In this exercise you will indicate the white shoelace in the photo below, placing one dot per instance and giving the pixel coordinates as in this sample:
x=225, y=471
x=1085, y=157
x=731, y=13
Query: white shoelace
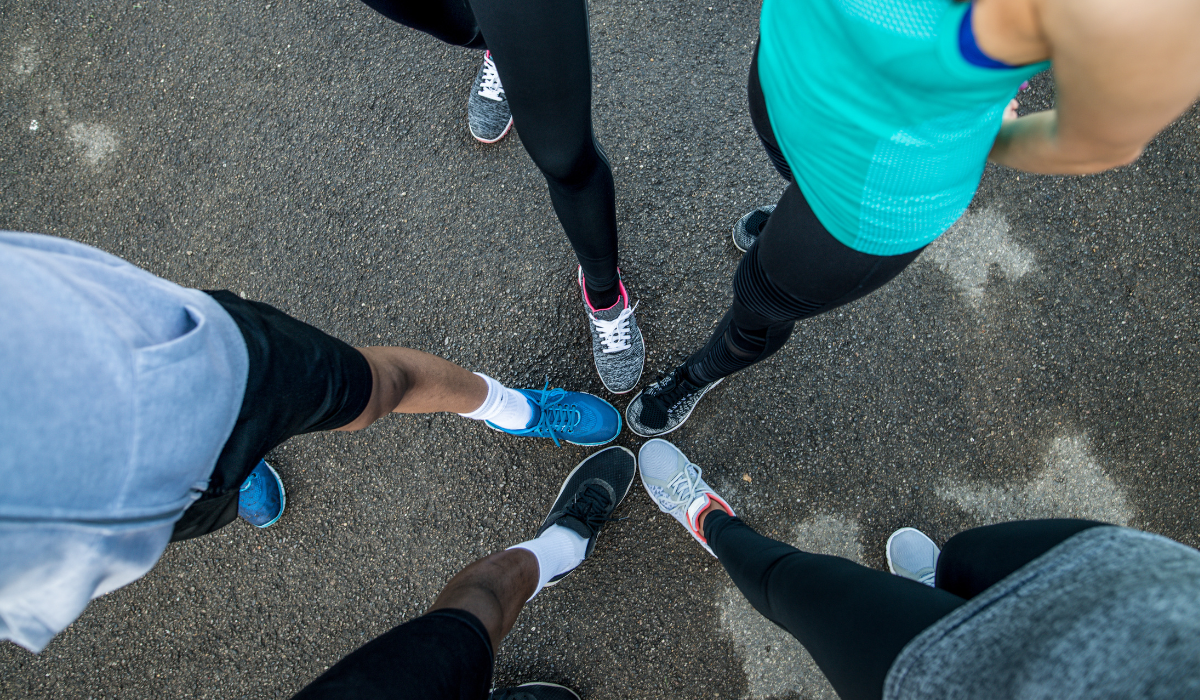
x=614, y=334
x=490, y=86
x=682, y=489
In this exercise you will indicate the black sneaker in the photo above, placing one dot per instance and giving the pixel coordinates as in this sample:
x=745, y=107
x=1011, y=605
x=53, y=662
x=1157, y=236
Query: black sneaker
x=590, y=494
x=747, y=228
x=665, y=404
x=535, y=691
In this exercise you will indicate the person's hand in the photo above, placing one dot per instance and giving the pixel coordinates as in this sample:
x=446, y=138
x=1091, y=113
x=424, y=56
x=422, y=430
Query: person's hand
x=1010, y=112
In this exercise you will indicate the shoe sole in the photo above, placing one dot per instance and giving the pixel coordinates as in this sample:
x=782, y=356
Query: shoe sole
x=685, y=417
x=733, y=237
x=888, y=547
x=282, y=497
x=568, y=480
x=488, y=423
x=579, y=281
x=502, y=133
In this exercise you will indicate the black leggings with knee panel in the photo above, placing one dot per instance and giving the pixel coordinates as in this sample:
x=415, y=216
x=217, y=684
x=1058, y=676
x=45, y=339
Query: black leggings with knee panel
x=544, y=61
x=795, y=270
x=855, y=620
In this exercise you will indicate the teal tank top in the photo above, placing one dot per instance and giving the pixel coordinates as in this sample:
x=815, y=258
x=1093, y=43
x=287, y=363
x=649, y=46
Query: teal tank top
x=885, y=125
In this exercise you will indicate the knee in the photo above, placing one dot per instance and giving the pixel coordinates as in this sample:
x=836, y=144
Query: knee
x=569, y=169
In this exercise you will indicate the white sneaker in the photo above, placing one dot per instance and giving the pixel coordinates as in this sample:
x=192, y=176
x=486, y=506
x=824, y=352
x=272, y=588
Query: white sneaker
x=674, y=484
x=913, y=555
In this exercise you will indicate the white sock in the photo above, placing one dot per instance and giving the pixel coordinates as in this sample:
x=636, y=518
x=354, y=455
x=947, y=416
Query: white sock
x=558, y=551
x=507, y=408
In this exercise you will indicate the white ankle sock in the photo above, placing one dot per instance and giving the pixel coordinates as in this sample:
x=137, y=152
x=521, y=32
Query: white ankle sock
x=558, y=551
x=507, y=408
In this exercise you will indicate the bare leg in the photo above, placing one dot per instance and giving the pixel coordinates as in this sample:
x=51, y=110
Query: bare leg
x=411, y=381
x=493, y=589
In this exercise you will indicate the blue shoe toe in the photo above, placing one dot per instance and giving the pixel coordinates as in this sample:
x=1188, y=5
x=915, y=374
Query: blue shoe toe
x=261, y=499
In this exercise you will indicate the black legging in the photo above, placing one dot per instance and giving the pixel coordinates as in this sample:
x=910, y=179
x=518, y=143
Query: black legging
x=855, y=620
x=542, y=56
x=794, y=271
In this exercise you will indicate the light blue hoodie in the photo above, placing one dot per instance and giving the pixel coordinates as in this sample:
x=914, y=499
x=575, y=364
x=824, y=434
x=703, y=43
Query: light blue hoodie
x=118, y=390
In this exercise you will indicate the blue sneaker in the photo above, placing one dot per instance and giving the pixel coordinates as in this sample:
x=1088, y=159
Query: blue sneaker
x=573, y=416
x=261, y=498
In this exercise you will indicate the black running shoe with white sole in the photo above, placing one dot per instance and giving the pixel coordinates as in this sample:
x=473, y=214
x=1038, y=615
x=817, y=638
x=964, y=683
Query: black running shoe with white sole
x=488, y=115
x=747, y=228
x=665, y=404
x=535, y=691
x=591, y=493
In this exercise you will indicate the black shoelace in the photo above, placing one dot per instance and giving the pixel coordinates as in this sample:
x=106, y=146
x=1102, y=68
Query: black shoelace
x=591, y=507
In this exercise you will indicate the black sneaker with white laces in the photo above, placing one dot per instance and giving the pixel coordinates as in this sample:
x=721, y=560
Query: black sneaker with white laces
x=535, y=691
x=591, y=493
x=665, y=404
x=747, y=228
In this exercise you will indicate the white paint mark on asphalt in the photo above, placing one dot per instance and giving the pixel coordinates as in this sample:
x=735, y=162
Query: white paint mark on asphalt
x=1073, y=485
x=976, y=244
x=97, y=141
x=773, y=661
x=27, y=59
x=33, y=125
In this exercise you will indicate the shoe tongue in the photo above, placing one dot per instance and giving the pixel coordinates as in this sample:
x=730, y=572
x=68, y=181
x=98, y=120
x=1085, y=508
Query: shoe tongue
x=611, y=313
x=575, y=525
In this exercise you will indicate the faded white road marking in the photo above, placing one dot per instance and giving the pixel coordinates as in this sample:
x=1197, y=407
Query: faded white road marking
x=97, y=141
x=773, y=661
x=974, y=246
x=27, y=59
x=1073, y=485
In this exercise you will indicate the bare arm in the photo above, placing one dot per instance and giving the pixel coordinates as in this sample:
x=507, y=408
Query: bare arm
x=1123, y=70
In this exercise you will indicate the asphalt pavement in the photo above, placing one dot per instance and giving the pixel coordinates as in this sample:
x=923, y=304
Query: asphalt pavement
x=1040, y=359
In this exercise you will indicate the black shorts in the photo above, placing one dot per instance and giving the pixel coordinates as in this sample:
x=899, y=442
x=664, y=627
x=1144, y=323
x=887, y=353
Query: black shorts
x=300, y=380
x=442, y=655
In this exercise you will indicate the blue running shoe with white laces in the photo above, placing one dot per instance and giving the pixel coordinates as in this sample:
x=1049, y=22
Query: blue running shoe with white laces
x=262, y=498
x=571, y=416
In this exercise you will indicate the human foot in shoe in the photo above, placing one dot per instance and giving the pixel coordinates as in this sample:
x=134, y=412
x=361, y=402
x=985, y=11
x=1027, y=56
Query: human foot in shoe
x=261, y=498
x=912, y=555
x=535, y=691
x=747, y=228
x=666, y=404
x=571, y=416
x=675, y=486
x=488, y=115
x=590, y=494
x=617, y=346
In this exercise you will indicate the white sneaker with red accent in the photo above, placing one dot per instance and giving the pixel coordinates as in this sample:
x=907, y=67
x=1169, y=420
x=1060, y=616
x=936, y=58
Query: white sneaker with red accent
x=617, y=346
x=674, y=484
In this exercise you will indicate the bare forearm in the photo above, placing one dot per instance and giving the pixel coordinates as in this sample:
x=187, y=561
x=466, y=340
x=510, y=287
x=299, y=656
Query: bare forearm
x=1032, y=143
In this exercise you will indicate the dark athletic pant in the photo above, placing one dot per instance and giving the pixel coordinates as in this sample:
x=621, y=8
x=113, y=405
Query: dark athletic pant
x=544, y=61
x=794, y=271
x=855, y=620
x=442, y=655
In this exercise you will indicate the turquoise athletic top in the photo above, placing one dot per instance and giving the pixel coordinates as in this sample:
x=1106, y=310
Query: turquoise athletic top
x=885, y=125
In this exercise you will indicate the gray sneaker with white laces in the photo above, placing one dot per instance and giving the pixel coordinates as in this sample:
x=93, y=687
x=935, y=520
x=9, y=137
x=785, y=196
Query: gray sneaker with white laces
x=747, y=228
x=617, y=346
x=675, y=486
x=487, y=108
x=912, y=555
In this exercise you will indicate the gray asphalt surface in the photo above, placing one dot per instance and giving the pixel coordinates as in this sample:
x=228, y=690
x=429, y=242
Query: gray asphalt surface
x=1040, y=359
